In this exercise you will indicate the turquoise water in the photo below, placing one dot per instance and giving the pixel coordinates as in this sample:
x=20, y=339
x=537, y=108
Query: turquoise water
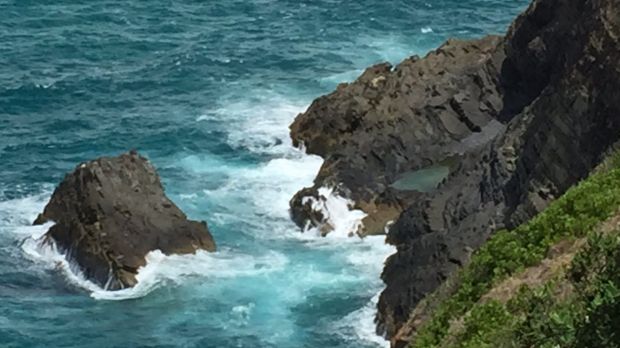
x=423, y=180
x=206, y=90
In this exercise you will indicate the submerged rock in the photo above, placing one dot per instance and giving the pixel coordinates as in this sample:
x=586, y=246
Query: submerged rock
x=111, y=212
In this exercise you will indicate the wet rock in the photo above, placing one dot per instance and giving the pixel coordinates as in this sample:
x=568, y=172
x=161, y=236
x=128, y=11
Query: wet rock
x=111, y=212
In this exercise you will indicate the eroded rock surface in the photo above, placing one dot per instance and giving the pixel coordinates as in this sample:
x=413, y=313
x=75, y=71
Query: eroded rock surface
x=563, y=67
x=111, y=212
x=522, y=118
x=393, y=120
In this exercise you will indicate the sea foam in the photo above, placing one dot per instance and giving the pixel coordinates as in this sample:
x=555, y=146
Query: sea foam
x=160, y=269
x=295, y=170
x=337, y=212
x=262, y=192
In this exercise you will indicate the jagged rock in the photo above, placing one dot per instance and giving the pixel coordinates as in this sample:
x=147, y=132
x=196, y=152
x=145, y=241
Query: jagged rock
x=394, y=120
x=561, y=92
x=111, y=212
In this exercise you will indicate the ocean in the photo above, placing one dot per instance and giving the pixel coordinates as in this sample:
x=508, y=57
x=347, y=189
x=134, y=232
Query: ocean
x=206, y=90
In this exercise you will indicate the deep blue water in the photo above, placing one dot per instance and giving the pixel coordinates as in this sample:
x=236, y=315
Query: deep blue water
x=206, y=90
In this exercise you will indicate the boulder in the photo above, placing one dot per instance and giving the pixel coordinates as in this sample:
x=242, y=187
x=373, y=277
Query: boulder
x=111, y=212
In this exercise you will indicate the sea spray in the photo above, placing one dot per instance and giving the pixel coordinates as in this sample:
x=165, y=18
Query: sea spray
x=44, y=251
x=159, y=270
x=339, y=219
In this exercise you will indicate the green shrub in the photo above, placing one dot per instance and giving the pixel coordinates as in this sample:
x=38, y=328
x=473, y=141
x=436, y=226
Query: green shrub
x=590, y=317
x=595, y=273
x=573, y=215
x=486, y=326
x=545, y=321
x=587, y=316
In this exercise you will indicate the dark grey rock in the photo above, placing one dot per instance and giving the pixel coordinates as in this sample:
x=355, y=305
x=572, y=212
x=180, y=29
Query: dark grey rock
x=111, y=212
x=560, y=86
x=394, y=120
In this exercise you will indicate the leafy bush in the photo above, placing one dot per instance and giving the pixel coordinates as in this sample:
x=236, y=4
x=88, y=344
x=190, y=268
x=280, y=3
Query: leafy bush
x=596, y=275
x=544, y=321
x=587, y=316
x=486, y=326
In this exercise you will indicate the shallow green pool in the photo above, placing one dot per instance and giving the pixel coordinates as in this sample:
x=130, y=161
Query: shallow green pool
x=422, y=180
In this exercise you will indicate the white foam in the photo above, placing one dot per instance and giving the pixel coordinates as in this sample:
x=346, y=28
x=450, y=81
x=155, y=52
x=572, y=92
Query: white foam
x=207, y=117
x=160, y=269
x=361, y=323
x=264, y=191
x=22, y=211
x=389, y=48
x=242, y=313
x=338, y=214
x=426, y=30
x=277, y=181
x=260, y=123
x=18, y=214
x=46, y=254
x=346, y=77
x=189, y=196
x=373, y=256
x=292, y=171
x=269, y=187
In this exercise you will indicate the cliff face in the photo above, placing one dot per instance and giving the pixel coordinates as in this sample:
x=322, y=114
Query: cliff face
x=562, y=70
x=521, y=118
x=395, y=120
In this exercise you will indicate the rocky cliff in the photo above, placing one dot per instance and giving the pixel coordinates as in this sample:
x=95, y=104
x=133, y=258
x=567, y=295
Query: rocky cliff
x=519, y=118
x=111, y=212
x=395, y=120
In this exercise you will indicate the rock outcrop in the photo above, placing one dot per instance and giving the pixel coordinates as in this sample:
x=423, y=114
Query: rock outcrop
x=523, y=117
x=391, y=121
x=563, y=68
x=111, y=212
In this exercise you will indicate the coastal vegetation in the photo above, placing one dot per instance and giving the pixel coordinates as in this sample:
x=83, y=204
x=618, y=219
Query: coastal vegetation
x=576, y=306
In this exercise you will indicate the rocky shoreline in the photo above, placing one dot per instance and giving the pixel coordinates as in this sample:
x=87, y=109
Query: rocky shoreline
x=445, y=99
x=520, y=119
